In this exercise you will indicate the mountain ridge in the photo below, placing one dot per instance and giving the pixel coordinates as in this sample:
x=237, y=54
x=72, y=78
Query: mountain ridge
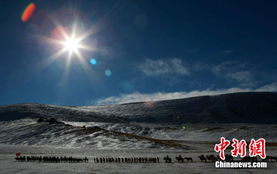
x=244, y=107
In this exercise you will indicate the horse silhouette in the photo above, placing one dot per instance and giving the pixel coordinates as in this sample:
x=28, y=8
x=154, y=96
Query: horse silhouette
x=167, y=159
x=202, y=158
x=188, y=159
x=180, y=159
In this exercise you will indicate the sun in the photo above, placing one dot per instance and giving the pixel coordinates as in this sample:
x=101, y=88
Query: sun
x=69, y=42
x=72, y=45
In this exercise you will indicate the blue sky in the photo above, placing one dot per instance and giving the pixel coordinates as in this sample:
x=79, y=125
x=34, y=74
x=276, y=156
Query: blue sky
x=142, y=50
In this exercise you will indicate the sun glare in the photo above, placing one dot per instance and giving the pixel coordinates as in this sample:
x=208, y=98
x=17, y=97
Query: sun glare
x=70, y=42
x=72, y=45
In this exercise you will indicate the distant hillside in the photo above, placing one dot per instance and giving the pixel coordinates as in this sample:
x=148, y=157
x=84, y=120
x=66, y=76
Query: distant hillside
x=249, y=107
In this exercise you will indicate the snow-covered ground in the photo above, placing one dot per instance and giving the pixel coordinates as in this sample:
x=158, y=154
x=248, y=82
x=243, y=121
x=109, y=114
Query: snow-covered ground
x=191, y=132
x=189, y=127
x=103, y=135
x=8, y=164
x=100, y=139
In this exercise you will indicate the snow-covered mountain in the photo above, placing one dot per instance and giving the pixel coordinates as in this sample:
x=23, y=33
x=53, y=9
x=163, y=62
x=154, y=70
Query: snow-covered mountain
x=100, y=135
x=250, y=107
x=59, y=134
x=178, y=123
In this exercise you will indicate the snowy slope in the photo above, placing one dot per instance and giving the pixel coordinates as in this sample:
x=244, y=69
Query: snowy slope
x=31, y=132
x=102, y=135
x=161, y=124
x=251, y=107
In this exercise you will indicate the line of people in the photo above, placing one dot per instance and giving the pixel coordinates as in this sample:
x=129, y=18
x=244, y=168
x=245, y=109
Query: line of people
x=126, y=160
x=167, y=159
x=179, y=159
x=50, y=159
x=212, y=158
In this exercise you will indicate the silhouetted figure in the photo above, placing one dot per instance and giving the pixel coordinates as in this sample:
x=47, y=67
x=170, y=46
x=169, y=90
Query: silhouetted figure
x=167, y=159
x=202, y=158
x=180, y=159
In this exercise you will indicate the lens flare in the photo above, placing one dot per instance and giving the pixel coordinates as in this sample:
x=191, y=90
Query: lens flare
x=59, y=32
x=183, y=127
x=28, y=12
x=108, y=72
x=93, y=61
